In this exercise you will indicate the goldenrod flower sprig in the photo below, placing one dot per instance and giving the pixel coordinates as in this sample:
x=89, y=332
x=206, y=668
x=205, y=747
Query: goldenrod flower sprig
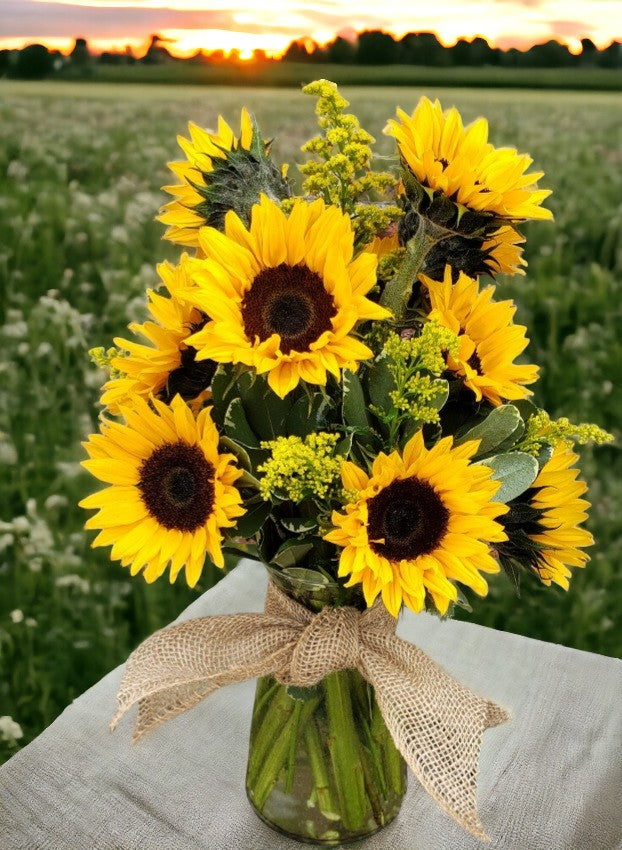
x=542, y=431
x=415, y=364
x=342, y=173
x=299, y=469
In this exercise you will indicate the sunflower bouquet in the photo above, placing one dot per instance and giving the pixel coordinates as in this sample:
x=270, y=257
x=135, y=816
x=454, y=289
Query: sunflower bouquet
x=325, y=385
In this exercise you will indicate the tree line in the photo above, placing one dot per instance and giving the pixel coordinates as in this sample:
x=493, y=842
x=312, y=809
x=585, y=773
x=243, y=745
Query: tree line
x=371, y=47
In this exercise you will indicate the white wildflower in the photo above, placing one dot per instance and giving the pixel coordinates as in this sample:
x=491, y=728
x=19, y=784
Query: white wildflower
x=10, y=730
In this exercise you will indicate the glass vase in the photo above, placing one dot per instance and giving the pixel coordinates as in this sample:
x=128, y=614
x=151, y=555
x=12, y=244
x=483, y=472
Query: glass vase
x=322, y=766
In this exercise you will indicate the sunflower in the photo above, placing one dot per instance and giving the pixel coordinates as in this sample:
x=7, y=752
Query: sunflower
x=284, y=295
x=221, y=172
x=462, y=165
x=543, y=525
x=418, y=522
x=489, y=341
x=498, y=253
x=167, y=367
x=502, y=252
x=171, y=494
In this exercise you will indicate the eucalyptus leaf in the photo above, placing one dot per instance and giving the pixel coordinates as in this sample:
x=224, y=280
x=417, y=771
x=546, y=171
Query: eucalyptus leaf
x=544, y=455
x=526, y=408
x=501, y=424
x=237, y=427
x=516, y=470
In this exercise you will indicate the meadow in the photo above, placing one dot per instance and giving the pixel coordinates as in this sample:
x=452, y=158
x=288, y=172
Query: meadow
x=80, y=171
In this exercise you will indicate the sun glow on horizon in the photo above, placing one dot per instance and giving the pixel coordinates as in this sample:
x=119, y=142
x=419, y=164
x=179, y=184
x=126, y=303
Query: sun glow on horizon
x=189, y=26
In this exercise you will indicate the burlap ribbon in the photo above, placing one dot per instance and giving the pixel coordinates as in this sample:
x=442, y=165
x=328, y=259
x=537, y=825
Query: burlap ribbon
x=436, y=723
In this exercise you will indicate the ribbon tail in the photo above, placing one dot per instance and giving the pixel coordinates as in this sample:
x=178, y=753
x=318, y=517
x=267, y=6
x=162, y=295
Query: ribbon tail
x=437, y=724
x=177, y=667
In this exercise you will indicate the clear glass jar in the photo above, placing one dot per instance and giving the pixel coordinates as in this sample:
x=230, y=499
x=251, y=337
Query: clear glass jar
x=322, y=766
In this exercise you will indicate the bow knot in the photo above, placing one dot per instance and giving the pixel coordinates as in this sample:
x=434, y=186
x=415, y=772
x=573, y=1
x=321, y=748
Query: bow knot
x=329, y=643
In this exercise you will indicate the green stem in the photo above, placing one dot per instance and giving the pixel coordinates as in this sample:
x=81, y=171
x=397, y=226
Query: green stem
x=374, y=746
x=322, y=784
x=397, y=292
x=343, y=746
x=278, y=753
x=265, y=732
x=266, y=690
x=392, y=759
x=293, y=748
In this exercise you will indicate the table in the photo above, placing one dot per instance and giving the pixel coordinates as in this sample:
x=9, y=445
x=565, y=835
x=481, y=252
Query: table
x=551, y=779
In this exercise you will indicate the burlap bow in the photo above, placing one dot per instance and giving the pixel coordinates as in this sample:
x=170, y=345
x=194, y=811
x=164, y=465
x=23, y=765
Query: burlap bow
x=436, y=723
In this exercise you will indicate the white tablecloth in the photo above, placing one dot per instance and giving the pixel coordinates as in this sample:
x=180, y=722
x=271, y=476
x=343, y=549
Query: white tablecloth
x=551, y=779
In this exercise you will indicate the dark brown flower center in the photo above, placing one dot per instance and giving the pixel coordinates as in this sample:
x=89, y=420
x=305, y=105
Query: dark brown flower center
x=177, y=486
x=475, y=363
x=190, y=378
x=409, y=516
x=290, y=301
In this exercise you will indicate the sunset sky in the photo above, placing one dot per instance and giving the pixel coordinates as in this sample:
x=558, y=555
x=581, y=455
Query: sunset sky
x=228, y=24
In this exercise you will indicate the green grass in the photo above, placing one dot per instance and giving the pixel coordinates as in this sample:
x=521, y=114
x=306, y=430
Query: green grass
x=288, y=74
x=80, y=171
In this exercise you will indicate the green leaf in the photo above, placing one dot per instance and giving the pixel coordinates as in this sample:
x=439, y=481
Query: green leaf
x=291, y=552
x=249, y=524
x=299, y=524
x=354, y=408
x=544, y=455
x=344, y=446
x=307, y=415
x=526, y=408
x=241, y=455
x=501, y=424
x=237, y=427
x=242, y=550
x=265, y=411
x=223, y=390
x=517, y=471
x=380, y=382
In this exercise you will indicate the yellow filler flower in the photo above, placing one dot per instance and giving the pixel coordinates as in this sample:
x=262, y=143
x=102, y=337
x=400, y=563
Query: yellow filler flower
x=284, y=296
x=221, y=172
x=460, y=162
x=543, y=525
x=171, y=493
x=488, y=339
x=167, y=367
x=421, y=521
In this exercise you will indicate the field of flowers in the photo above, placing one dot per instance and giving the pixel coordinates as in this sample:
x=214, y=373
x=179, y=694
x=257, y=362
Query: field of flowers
x=80, y=171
